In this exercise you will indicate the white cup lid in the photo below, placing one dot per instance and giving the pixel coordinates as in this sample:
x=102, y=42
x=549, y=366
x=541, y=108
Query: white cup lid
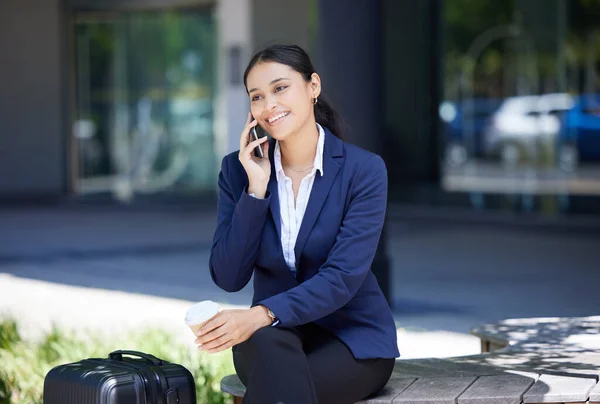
x=201, y=312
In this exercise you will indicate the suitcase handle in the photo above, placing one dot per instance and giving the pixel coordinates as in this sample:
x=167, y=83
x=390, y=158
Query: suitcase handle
x=118, y=355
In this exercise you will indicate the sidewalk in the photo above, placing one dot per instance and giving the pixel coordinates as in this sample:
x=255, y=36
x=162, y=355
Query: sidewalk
x=38, y=305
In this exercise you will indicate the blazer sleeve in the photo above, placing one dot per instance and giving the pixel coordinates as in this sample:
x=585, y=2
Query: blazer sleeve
x=348, y=262
x=237, y=236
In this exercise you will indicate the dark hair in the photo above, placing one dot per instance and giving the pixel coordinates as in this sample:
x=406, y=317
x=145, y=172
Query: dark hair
x=297, y=58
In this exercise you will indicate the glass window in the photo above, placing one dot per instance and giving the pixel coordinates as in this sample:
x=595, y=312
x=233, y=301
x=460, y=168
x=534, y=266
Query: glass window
x=521, y=98
x=144, y=87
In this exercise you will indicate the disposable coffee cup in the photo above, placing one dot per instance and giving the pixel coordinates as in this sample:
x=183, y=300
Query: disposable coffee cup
x=200, y=313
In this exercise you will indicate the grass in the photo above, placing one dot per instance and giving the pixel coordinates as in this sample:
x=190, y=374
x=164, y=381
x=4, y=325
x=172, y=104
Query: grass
x=24, y=364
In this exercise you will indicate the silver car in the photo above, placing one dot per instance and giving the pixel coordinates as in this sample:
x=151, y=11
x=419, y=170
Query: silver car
x=522, y=124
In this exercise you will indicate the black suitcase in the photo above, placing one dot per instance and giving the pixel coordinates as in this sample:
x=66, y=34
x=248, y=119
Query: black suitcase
x=120, y=380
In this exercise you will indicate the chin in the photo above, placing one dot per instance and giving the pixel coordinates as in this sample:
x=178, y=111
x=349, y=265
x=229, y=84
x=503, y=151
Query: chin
x=281, y=133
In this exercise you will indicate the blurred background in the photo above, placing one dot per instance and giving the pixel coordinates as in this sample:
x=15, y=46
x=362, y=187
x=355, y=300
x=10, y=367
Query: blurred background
x=115, y=114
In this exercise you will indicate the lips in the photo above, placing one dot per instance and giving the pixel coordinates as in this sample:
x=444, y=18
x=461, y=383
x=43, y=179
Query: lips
x=273, y=119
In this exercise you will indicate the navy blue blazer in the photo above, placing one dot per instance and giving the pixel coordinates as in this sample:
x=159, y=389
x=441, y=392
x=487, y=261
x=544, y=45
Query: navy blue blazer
x=333, y=286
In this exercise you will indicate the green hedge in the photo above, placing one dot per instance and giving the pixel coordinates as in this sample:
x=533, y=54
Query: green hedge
x=24, y=364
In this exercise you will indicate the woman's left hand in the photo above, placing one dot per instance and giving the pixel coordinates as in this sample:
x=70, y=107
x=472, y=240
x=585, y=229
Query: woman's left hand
x=231, y=327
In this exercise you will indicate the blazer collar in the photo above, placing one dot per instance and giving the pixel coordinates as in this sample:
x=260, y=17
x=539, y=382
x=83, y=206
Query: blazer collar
x=333, y=153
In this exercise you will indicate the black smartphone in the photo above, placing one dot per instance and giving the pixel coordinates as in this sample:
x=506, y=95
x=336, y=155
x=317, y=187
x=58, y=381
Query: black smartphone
x=258, y=132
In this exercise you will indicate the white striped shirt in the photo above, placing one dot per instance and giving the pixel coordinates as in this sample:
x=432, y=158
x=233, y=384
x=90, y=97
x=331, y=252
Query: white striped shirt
x=291, y=217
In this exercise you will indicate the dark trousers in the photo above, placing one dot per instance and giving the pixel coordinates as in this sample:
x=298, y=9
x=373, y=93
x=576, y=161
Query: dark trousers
x=305, y=365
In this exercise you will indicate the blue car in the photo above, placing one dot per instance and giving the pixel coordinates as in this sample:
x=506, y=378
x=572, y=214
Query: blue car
x=579, y=137
x=464, y=122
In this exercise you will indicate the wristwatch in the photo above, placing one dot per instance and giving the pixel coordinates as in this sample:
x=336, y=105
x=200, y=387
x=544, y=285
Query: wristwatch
x=271, y=315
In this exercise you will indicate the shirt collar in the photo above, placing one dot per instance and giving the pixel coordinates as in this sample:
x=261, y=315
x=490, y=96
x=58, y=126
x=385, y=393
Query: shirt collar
x=317, y=164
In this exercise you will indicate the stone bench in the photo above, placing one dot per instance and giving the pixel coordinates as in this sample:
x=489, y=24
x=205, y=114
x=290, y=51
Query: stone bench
x=543, y=360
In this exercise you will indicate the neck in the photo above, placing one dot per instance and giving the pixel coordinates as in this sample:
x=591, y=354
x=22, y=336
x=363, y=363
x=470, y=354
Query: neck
x=299, y=149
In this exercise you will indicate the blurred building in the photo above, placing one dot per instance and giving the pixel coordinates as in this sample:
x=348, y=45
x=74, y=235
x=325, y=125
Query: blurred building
x=479, y=104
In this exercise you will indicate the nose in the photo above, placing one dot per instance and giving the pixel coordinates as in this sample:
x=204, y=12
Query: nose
x=271, y=103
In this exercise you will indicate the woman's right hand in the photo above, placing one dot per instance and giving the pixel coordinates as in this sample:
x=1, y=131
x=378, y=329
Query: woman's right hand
x=257, y=169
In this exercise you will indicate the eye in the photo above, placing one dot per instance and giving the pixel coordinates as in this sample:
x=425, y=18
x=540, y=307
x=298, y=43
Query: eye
x=255, y=98
x=280, y=88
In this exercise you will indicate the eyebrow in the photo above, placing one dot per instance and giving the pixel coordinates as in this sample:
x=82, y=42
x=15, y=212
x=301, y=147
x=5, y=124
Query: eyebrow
x=273, y=82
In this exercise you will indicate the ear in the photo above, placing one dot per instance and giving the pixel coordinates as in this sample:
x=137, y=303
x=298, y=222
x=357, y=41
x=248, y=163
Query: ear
x=315, y=85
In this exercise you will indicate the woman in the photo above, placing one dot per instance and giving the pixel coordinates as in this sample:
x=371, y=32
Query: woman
x=305, y=220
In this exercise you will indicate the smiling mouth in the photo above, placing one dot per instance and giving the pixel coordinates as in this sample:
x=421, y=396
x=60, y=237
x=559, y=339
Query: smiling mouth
x=277, y=118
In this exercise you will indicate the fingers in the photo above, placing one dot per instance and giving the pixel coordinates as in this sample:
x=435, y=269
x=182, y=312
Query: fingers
x=216, y=343
x=265, y=148
x=250, y=148
x=220, y=348
x=211, y=336
x=213, y=324
x=250, y=123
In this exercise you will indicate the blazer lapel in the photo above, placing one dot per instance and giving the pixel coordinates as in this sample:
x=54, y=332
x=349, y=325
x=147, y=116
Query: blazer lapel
x=332, y=161
x=273, y=190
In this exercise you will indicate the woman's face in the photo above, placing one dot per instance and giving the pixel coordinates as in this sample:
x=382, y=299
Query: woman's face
x=280, y=99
